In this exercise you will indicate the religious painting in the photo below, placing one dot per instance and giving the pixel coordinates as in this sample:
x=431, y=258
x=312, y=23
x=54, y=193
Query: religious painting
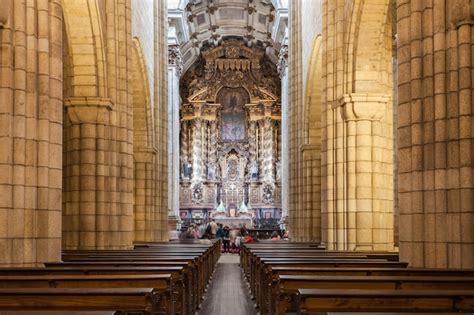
x=233, y=116
x=268, y=215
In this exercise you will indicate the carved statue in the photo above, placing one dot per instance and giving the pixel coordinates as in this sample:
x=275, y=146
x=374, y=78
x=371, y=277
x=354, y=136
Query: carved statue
x=211, y=171
x=254, y=170
x=278, y=170
x=187, y=169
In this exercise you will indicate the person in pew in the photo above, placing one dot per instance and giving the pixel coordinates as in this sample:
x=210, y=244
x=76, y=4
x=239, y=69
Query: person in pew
x=213, y=226
x=275, y=236
x=226, y=239
x=219, y=232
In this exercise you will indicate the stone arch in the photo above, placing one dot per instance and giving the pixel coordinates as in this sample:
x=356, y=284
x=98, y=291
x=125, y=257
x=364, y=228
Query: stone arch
x=368, y=47
x=311, y=148
x=84, y=37
x=144, y=154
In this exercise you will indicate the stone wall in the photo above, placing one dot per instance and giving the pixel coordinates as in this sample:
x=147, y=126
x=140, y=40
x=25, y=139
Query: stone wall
x=30, y=132
x=435, y=132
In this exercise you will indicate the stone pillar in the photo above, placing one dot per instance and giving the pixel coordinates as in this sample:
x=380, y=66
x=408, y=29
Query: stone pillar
x=284, y=158
x=161, y=112
x=295, y=122
x=368, y=223
x=146, y=216
x=435, y=133
x=30, y=132
x=175, y=67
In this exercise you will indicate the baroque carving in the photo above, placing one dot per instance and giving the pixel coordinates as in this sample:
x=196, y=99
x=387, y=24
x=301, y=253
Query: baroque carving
x=175, y=58
x=230, y=132
x=231, y=65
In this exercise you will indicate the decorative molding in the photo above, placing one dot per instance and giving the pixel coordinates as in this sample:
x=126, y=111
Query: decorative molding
x=363, y=106
x=93, y=110
x=282, y=60
x=175, y=58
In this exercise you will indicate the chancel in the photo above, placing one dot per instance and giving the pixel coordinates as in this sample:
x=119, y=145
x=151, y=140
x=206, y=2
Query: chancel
x=236, y=157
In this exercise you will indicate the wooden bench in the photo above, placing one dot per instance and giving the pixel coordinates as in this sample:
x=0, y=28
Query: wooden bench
x=263, y=268
x=160, y=283
x=177, y=276
x=284, y=298
x=144, y=300
x=318, y=301
x=197, y=272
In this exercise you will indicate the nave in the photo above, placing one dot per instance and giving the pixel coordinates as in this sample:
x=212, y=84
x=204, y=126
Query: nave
x=228, y=293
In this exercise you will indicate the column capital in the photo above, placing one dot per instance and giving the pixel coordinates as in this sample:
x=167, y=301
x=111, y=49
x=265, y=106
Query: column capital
x=4, y=12
x=359, y=106
x=89, y=109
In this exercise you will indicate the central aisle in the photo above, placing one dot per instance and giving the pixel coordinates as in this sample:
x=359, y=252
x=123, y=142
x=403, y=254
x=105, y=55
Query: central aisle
x=227, y=293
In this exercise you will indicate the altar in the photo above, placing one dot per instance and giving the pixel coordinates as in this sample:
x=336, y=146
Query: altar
x=230, y=138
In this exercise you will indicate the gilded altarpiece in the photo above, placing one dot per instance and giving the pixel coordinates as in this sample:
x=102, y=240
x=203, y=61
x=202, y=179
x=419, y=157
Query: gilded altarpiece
x=230, y=137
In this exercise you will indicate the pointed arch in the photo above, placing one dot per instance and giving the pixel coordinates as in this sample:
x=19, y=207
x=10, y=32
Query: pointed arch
x=85, y=41
x=368, y=47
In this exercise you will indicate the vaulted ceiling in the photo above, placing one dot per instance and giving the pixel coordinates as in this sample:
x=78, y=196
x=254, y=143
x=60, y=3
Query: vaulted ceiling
x=205, y=23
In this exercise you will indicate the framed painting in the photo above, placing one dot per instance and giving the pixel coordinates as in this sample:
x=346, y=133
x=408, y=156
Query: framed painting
x=233, y=115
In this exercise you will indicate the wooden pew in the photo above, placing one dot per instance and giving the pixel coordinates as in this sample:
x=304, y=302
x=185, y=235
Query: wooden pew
x=271, y=283
x=197, y=270
x=262, y=268
x=317, y=301
x=160, y=283
x=177, y=276
x=143, y=300
x=189, y=297
x=288, y=286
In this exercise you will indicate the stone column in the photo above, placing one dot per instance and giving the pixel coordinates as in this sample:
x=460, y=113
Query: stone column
x=368, y=216
x=146, y=216
x=285, y=152
x=435, y=133
x=30, y=132
x=175, y=67
x=161, y=112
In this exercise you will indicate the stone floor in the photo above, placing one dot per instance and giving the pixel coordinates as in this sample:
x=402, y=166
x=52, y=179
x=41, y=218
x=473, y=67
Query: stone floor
x=227, y=293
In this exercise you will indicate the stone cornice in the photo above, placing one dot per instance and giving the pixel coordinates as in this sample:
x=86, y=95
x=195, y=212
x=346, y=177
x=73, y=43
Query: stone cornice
x=93, y=110
x=357, y=106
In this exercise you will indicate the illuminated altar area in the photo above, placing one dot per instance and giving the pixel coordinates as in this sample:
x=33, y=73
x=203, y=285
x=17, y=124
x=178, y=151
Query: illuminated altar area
x=230, y=137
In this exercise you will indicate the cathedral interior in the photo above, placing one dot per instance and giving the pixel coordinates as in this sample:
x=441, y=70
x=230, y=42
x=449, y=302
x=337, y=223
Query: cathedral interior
x=343, y=123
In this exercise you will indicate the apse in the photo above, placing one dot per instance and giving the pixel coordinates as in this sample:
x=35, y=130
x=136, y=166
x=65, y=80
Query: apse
x=230, y=137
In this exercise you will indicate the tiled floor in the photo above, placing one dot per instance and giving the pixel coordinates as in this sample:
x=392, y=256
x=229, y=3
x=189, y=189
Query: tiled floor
x=227, y=293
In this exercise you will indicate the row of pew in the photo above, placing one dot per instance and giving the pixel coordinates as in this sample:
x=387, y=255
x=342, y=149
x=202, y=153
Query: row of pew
x=305, y=278
x=153, y=278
